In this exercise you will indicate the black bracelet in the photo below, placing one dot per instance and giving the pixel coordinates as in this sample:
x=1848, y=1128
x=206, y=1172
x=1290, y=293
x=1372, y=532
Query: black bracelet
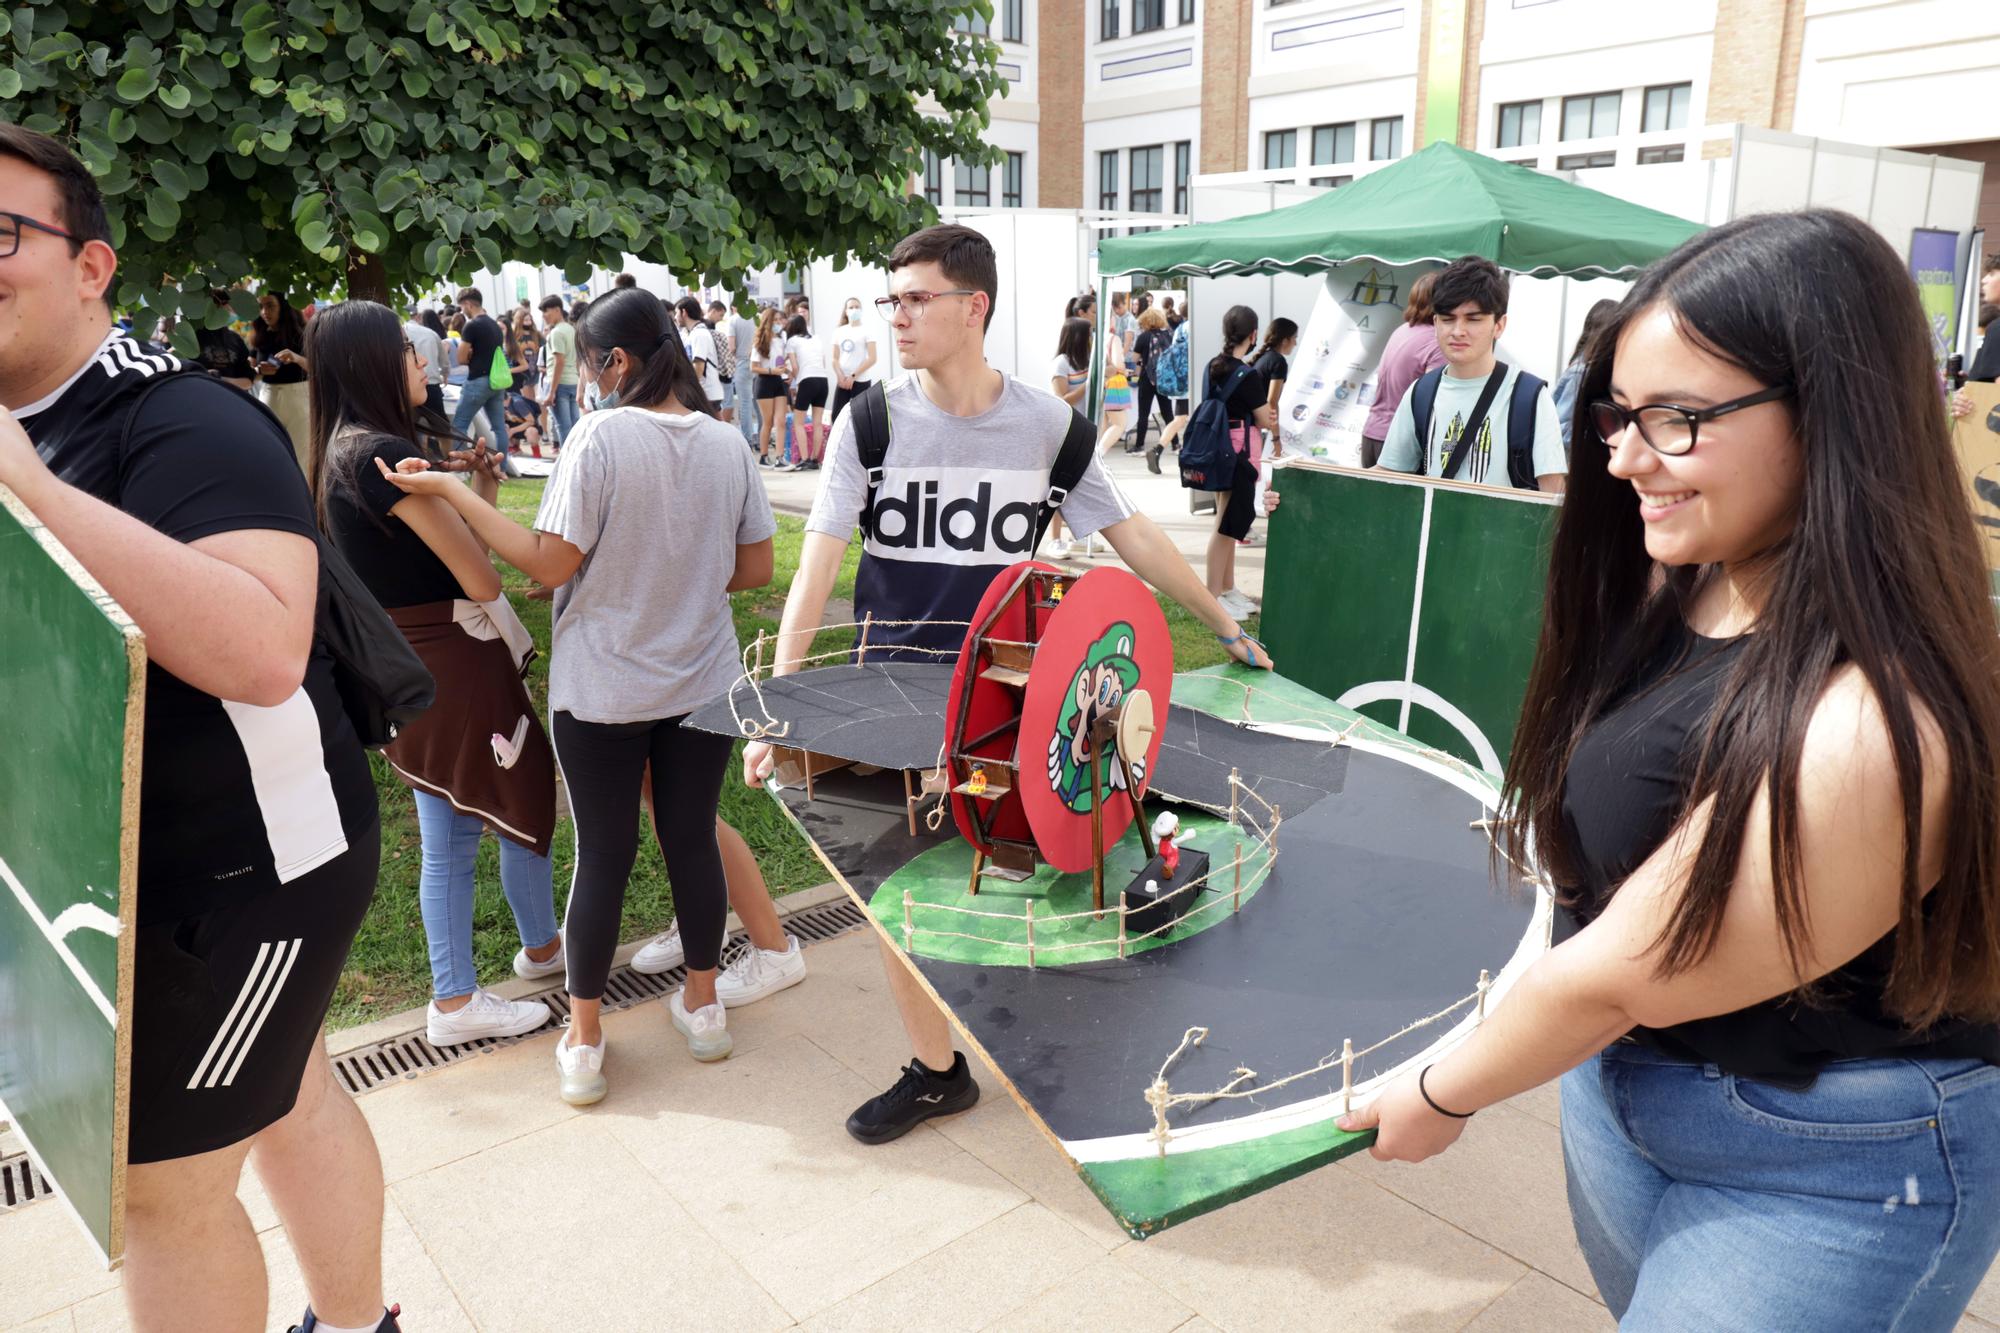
x=1455, y=1115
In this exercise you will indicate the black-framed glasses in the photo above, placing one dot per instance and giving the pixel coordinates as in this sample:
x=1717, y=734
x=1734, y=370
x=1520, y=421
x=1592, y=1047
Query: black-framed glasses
x=914, y=304
x=1669, y=428
x=11, y=225
x=409, y=347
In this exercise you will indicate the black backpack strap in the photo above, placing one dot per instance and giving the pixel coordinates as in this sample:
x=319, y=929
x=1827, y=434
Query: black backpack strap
x=869, y=410
x=1472, y=423
x=1521, y=412
x=1079, y=446
x=1423, y=401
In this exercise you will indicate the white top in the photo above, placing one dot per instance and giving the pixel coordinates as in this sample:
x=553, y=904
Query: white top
x=700, y=344
x=851, y=343
x=808, y=354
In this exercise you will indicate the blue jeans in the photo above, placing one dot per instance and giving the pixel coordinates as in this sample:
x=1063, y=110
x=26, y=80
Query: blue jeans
x=444, y=893
x=737, y=394
x=478, y=394
x=562, y=412
x=1871, y=1200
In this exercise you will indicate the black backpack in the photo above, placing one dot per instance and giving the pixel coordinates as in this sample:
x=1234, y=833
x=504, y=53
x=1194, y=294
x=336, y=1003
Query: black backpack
x=1208, y=453
x=1521, y=408
x=870, y=410
x=383, y=684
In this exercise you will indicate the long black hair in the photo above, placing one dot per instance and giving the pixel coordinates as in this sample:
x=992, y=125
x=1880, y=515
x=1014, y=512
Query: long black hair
x=1280, y=332
x=288, y=332
x=1593, y=325
x=1073, y=343
x=1882, y=569
x=636, y=322
x=1239, y=325
x=359, y=388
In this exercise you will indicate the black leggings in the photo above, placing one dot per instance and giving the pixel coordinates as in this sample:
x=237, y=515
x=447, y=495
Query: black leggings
x=842, y=397
x=602, y=766
x=1148, y=395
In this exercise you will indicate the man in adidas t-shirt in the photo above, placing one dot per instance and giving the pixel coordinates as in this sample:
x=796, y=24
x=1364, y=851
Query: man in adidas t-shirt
x=968, y=461
x=1470, y=300
x=258, y=838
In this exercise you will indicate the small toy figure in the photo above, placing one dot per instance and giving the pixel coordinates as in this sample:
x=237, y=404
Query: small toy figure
x=975, y=784
x=1056, y=591
x=1165, y=829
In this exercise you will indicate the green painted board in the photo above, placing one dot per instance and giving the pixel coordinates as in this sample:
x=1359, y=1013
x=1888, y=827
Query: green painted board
x=72, y=681
x=1413, y=600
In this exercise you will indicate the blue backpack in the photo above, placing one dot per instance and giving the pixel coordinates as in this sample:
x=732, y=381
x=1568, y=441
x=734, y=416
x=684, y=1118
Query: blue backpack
x=1521, y=413
x=1208, y=453
x=1170, y=368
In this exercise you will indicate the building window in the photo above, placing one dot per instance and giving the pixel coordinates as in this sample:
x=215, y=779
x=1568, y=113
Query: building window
x=1584, y=161
x=1148, y=15
x=933, y=177
x=972, y=23
x=1107, y=180
x=1667, y=108
x=1331, y=182
x=1011, y=28
x=1107, y=20
x=1652, y=157
x=1592, y=116
x=1520, y=124
x=973, y=186
x=1281, y=149
x=1187, y=11
x=1148, y=179
x=1333, y=143
x=1387, y=136
x=1010, y=184
x=1183, y=161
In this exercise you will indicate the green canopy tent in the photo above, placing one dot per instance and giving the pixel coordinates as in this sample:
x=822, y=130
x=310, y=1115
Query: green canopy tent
x=1437, y=204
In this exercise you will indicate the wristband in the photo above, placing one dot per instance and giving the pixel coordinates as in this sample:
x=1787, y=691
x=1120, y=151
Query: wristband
x=1241, y=636
x=1425, y=1092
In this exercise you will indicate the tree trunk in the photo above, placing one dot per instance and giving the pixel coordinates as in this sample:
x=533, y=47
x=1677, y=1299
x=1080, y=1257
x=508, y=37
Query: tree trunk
x=367, y=280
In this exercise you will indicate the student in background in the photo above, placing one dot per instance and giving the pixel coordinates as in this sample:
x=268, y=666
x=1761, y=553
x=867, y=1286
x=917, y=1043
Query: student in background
x=1273, y=362
x=1564, y=392
x=767, y=367
x=854, y=356
x=1250, y=413
x=1412, y=350
x=559, y=376
x=1153, y=340
x=1069, y=380
x=429, y=345
x=806, y=355
x=278, y=340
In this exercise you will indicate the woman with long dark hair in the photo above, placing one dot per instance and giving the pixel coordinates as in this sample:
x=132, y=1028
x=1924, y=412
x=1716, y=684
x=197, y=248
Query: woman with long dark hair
x=1273, y=362
x=478, y=757
x=1250, y=414
x=807, y=358
x=1760, y=761
x=277, y=344
x=667, y=506
x=1069, y=380
x=1571, y=380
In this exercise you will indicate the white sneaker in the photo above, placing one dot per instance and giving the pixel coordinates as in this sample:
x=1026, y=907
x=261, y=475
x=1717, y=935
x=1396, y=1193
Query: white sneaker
x=1236, y=604
x=525, y=966
x=582, y=1071
x=707, y=1028
x=484, y=1015
x=754, y=973
x=663, y=953
x=1060, y=548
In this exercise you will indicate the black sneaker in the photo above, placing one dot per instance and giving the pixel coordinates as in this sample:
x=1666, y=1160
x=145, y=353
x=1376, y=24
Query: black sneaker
x=1153, y=461
x=388, y=1324
x=918, y=1096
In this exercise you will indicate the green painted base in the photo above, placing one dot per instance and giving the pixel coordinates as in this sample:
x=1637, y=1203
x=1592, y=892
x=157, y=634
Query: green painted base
x=939, y=879
x=1149, y=1194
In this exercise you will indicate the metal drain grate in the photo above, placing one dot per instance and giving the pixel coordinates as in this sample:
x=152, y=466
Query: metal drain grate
x=20, y=1183
x=406, y=1057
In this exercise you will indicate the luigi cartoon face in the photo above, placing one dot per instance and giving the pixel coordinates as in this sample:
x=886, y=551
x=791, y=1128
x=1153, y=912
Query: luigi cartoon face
x=1107, y=672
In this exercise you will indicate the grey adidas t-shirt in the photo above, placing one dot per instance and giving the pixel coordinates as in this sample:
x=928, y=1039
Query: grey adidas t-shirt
x=658, y=502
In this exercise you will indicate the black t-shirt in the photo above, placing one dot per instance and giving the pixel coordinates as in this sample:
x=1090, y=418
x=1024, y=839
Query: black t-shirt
x=388, y=555
x=234, y=799
x=1273, y=367
x=1985, y=365
x=482, y=334
x=270, y=341
x=1148, y=342
x=224, y=353
x=1251, y=393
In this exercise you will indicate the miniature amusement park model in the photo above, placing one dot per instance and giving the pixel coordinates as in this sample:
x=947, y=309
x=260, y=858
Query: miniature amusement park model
x=1284, y=871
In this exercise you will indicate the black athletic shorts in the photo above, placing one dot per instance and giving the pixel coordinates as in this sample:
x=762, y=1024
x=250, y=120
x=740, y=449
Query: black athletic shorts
x=1240, y=505
x=770, y=386
x=227, y=1005
x=811, y=393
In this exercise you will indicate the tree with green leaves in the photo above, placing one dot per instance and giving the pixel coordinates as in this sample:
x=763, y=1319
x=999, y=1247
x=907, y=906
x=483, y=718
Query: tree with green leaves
x=384, y=146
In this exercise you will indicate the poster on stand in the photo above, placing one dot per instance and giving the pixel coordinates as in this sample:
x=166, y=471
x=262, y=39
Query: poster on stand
x=1332, y=382
x=1934, y=265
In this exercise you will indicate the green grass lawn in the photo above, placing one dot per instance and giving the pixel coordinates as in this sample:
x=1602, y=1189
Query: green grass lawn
x=389, y=968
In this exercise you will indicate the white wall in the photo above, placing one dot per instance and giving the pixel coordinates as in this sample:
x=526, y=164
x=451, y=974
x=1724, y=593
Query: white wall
x=1902, y=72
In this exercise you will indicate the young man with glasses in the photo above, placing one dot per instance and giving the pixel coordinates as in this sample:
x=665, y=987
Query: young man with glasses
x=258, y=838
x=1508, y=413
x=972, y=447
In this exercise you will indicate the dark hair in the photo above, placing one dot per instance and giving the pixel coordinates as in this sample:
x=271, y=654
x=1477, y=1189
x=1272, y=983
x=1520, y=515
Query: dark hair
x=689, y=306
x=552, y=303
x=1473, y=279
x=1239, y=324
x=718, y=307
x=358, y=389
x=1069, y=308
x=1593, y=324
x=1882, y=569
x=1419, y=310
x=289, y=332
x=1085, y=301
x=624, y=282
x=471, y=294
x=1145, y=302
x=1988, y=312
x=1280, y=332
x=795, y=327
x=962, y=254
x=630, y=319
x=429, y=319
x=577, y=310
x=1074, y=342
x=81, y=201
x=1118, y=299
